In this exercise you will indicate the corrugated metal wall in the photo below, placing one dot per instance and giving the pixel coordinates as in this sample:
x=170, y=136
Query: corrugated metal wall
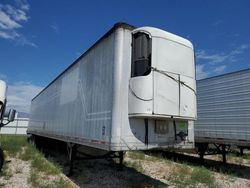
x=17, y=127
x=78, y=104
x=223, y=105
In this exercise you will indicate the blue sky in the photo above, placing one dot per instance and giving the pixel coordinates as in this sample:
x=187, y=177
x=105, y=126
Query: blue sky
x=39, y=39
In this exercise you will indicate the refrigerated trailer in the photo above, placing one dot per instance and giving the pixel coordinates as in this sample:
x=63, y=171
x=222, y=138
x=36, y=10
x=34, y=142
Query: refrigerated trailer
x=223, y=106
x=134, y=89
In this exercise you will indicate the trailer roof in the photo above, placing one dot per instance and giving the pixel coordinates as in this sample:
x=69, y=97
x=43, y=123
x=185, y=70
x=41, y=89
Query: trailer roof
x=155, y=32
x=243, y=70
x=116, y=26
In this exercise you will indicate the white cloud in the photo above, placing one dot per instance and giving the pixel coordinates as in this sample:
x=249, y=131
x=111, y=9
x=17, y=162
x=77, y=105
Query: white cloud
x=240, y=49
x=213, y=64
x=22, y=41
x=6, y=22
x=206, y=70
x=217, y=22
x=212, y=58
x=11, y=19
x=9, y=35
x=20, y=94
x=3, y=76
x=55, y=28
x=200, y=72
x=23, y=4
x=16, y=14
x=220, y=69
x=232, y=56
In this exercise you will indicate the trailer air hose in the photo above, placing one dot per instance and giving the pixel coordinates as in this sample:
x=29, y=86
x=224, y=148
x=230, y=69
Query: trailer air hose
x=138, y=96
x=178, y=81
x=165, y=74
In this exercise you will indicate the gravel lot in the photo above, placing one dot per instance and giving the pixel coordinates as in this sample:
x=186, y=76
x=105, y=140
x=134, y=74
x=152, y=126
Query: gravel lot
x=140, y=170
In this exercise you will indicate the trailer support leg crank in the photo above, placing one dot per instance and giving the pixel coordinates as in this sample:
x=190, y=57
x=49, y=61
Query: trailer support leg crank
x=202, y=152
x=223, y=148
x=72, y=155
x=241, y=151
x=121, y=157
x=146, y=131
x=202, y=148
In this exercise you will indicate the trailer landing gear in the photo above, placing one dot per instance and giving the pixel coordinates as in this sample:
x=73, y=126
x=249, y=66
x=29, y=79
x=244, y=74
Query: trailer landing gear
x=241, y=151
x=1, y=159
x=121, y=157
x=71, y=148
x=72, y=154
x=203, y=149
x=223, y=150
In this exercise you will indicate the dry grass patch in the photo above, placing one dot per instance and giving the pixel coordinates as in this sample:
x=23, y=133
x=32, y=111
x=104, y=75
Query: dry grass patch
x=43, y=173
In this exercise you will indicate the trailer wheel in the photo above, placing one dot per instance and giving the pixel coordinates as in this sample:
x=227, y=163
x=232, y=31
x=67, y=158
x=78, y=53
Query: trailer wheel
x=1, y=159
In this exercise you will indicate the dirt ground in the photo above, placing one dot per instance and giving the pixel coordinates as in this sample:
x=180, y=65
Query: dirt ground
x=145, y=172
x=17, y=174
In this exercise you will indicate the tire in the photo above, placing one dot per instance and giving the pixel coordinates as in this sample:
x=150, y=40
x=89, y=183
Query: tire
x=1, y=159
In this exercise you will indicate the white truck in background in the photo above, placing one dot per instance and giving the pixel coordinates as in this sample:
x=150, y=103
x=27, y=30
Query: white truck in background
x=10, y=114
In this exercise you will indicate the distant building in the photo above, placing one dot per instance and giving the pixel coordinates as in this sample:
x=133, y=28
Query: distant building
x=18, y=126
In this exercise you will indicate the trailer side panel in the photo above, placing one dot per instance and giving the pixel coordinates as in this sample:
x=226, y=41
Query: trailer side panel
x=224, y=109
x=77, y=106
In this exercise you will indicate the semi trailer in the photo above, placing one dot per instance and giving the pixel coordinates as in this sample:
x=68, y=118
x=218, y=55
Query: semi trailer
x=10, y=115
x=134, y=89
x=223, y=106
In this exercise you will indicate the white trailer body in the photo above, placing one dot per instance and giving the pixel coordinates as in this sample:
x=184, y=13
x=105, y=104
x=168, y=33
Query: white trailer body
x=224, y=109
x=10, y=116
x=3, y=89
x=134, y=89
